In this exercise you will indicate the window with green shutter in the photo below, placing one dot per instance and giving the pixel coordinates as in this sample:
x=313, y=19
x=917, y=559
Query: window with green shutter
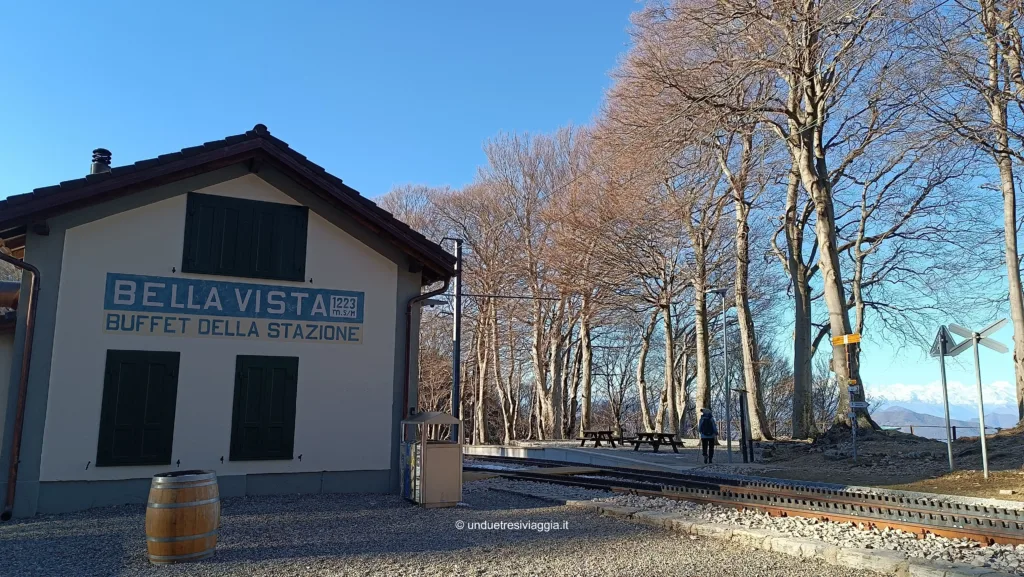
x=244, y=238
x=140, y=390
x=263, y=418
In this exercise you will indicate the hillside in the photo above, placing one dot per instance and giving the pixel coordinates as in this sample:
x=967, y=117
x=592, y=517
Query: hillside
x=931, y=426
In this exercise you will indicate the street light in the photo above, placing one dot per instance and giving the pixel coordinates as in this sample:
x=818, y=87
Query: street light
x=721, y=291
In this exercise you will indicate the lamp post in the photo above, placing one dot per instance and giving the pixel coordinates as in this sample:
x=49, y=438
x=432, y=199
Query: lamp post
x=725, y=376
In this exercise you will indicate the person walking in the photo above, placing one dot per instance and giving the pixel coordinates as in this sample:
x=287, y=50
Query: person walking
x=708, y=429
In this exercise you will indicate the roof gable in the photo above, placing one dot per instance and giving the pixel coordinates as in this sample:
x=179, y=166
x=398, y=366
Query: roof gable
x=256, y=147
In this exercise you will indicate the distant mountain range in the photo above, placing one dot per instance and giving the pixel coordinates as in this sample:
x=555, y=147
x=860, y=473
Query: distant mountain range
x=932, y=426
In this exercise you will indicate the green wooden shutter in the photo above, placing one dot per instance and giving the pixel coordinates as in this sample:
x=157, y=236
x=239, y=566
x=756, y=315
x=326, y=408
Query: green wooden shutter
x=140, y=391
x=279, y=241
x=263, y=418
x=244, y=238
x=218, y=235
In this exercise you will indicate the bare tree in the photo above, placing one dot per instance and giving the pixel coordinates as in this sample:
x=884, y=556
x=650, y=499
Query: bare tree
x=980, y=54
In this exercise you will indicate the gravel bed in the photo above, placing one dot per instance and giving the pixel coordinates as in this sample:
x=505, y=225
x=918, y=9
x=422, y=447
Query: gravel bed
x=493, y=465
x=1000, y=557
x=335, y=535
x=550, y=490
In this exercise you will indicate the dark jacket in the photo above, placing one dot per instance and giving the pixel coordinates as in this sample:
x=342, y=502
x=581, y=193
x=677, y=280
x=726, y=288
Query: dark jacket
x=701, y=426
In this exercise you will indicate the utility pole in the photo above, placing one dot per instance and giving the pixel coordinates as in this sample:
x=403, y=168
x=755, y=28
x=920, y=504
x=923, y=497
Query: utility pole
x=457, y=337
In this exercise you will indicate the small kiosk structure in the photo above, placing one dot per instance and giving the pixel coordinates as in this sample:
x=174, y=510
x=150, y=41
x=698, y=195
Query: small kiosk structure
x=431, y=461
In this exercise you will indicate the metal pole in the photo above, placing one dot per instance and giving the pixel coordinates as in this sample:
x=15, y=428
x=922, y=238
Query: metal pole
x=457, y=340
x=855, y=438
x=981, y=406
x=853, y=412
x=748, y=427
x=743, y=429
x=728, y=391
x=945, y=395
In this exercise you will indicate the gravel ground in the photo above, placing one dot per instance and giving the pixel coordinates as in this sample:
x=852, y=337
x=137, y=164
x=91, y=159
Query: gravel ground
x=320, y=535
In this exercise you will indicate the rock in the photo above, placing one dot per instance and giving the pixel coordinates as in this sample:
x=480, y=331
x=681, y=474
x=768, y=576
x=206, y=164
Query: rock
x=927, y=568
x=656, y=518
x=787, y=545
x=1007, y=492
x=886, y=562
x=715, y=530
x=618, y=511
x=757, y=538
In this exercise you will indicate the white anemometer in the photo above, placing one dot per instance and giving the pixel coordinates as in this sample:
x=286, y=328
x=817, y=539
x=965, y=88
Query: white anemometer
x=945, y=346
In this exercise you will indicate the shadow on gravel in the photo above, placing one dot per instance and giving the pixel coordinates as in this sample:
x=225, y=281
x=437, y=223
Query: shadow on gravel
x=267, y=535
x=98, y=554
x=354, y=527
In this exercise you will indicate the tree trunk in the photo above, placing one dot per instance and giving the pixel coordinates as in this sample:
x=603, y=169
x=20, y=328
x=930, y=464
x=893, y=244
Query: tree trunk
x=552, y=398
x=480, y=417
x=659, y=421
x=845, y=360
x=748, y=339
x=504, y=393
x=998, y=111
x=1008, y=187
x=586, y=368
x=514, y=376
x=804, y=425
x=670, y=383
x=703, y=354
x=540, y=369
x=537, y=420
x=571, y=382
x=641, y=373
x=803, y=408
x=681, y=393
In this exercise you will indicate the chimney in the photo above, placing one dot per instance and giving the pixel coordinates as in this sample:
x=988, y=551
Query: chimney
x=100, y=161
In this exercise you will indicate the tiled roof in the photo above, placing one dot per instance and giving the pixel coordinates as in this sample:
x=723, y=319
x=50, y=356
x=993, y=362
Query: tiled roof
x=25, y=209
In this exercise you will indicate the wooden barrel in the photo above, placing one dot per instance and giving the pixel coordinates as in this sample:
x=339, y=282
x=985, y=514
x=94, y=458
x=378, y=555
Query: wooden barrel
x=182, y=517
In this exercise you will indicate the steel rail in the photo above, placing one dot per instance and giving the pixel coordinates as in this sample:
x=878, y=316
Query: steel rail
x=925, y=502
x=913, y=513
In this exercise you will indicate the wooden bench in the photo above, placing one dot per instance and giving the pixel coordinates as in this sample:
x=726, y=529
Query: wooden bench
x=655, y=440
x=597, y=436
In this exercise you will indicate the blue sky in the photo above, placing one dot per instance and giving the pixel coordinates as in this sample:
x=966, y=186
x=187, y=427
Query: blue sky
x=380, y=94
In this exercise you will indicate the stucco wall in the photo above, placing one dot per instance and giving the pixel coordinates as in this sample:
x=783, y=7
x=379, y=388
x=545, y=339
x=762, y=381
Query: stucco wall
x=345, y=392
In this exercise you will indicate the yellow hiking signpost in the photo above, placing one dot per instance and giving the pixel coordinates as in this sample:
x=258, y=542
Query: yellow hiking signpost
x=846, y=339
x=843, y=341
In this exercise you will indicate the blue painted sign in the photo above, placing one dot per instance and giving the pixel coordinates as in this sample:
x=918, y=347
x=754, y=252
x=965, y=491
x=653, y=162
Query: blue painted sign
x=176, y=306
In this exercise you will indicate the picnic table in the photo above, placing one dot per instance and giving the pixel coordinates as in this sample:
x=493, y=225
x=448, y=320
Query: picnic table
x=597, y=436
x=655, y=440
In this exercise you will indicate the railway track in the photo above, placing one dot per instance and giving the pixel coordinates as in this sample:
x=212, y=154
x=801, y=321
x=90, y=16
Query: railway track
x=917, y=513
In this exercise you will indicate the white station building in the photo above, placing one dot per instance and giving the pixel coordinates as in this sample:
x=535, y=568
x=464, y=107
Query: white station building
x=230, y=307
